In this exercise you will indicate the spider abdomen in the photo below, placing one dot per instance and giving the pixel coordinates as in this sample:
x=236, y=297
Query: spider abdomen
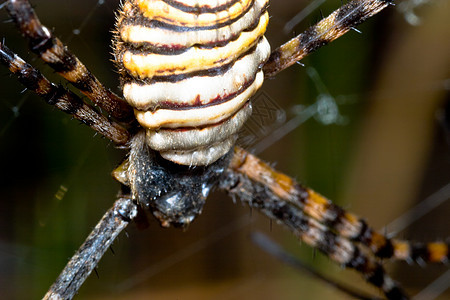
x=189, y=69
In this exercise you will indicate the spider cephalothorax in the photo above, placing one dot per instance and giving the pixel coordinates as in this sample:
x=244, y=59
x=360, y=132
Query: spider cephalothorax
x=175, y=194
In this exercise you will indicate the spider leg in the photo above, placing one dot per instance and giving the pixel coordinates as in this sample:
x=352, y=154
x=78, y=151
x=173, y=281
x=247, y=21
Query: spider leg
x=327, y=30
x=61, y=98
x=342, y=236
x=345, y=224
x=87, y=257
x=51, y=50
x=339, y=249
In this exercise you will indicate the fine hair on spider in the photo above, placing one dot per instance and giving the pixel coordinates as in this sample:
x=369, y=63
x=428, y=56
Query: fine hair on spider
x=308, y=215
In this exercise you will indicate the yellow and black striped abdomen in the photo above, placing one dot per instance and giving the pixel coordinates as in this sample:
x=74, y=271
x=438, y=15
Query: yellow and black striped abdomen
x=189, y=68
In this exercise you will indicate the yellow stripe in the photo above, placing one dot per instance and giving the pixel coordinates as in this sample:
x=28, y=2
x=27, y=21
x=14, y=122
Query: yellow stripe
x=402, y=249
x=159, y=36
x=438, y=252
x=160, y=11
x=195, y=59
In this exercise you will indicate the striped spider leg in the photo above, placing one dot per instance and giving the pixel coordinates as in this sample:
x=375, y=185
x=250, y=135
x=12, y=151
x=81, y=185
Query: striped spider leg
x=342, y=20
x=312, y=215
x=342, y=236
x=52, y=51
x=61, y=98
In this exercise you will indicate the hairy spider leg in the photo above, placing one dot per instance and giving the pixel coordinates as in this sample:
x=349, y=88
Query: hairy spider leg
x=327, y=30
x=329, y=214
x=61, y=98
x=342, y=236
x=87, y=257
x=52, y=51
x=338, y=248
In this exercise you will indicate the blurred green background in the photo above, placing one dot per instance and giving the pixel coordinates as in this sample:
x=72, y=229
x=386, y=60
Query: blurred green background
x=387, y=153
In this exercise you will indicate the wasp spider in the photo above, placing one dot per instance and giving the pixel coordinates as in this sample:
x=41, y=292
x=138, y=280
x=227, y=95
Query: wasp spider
x=187, y=73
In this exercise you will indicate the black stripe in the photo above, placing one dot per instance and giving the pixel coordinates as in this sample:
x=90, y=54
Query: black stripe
x=146, y=48
x=168, y=49
x=354, y=13
x=448, y=254
x=281, y=211
x=40, y=40
x=30, y=77
x=207, y=125
x=126, y=78
x=6, y=56
x=72, y=103
x=137, y=18
x=377, y=276
x=328, y=244
x=302, y=193
x=53, y=96
x=64, y=64
x=310, y=41
x=351, y=14
x=358, y=261
x=84, y=84
x=386, y=251
x=420, y=251
x=201, y=9
x=395, y=293
x=334, y=215
x=365, y=233
x=40, y=44
x=186, y=106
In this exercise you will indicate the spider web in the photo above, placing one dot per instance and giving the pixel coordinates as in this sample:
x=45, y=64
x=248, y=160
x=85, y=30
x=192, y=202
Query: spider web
x=57, y=183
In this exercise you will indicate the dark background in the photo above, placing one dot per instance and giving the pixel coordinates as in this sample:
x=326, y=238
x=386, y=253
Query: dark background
x=387, y=154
